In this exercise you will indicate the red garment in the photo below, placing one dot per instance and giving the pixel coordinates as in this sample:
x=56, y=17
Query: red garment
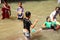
x=58, y=27
x=5, y=12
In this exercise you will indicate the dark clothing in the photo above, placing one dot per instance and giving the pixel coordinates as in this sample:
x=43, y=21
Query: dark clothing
x=27, y=23
x=20, y=19
x=19, y=16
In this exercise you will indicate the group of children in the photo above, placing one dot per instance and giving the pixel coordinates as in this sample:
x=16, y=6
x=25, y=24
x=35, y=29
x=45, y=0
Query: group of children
x=50, y=23
x=6, y=11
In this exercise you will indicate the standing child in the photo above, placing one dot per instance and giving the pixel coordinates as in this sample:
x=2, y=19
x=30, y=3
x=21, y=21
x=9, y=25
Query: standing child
x=20, y=11
x=6, y=10
x=27, y=24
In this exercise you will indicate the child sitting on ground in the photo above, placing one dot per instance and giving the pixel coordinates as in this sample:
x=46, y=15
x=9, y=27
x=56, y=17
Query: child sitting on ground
x=49, y=24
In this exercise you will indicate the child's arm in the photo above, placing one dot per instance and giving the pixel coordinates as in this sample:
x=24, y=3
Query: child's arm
x=19, y=12
x=5, y=6
x=23, y=12
x=9, y=10
x=16, y=13
x=33, y=25
x=43, y=25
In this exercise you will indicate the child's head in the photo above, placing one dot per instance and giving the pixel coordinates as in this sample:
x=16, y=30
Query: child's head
x=5, y=2
x=28, y=14
x=20, y=4
x=48, y=19
x=57, y=8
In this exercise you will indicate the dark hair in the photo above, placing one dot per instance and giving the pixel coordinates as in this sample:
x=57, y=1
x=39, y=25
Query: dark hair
x=47, y=18
x=27, y=14
x=5, y=2
x=58, y=8
x=20, y=2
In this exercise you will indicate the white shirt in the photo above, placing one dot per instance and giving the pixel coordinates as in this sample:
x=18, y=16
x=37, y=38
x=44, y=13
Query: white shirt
x=20, y=10
x=52, y=14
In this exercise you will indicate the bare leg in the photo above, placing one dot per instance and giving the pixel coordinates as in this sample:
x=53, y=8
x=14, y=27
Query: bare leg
x=58, y=27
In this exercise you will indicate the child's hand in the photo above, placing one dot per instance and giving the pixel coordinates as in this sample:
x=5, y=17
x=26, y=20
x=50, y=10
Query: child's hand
x=36, y=20
x=34, y=23
x=4, y=6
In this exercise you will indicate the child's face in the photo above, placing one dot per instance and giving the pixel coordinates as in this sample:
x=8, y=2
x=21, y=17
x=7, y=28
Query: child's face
x=29, y=16
x=49, y=19
x=20, y=4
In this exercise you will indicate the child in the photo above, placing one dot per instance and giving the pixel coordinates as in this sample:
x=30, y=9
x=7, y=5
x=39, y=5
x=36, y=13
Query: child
x=27, y=24
x=20, y=11
x=55, y=13
x=6, y=10
x=48, y=24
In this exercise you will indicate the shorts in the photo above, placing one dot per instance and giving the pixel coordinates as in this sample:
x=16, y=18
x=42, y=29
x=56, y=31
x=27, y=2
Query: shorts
x=27, y=35
x=20, y=18
x=53, y=27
